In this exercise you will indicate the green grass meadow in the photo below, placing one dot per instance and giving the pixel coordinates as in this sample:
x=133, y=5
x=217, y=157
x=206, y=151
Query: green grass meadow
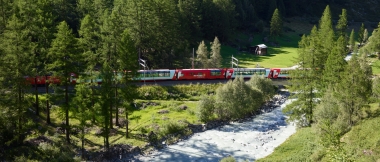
x=282, y=56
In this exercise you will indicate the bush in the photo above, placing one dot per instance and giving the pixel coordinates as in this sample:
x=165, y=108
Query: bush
x=236, y=99
x=171, y=127
x=205, y=108
x=228, y=159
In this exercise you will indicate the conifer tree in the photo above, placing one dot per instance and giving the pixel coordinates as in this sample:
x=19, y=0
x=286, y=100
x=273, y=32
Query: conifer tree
x=335, y=64
x=127, y=57
x=16, y=63
x=305, y=80
x=64, y=53
x=352, y=40
x=326, y=37
x=373, y=44
x=82, y=102
x=361, y=34
x=354, y=90
x=327, y=116
x=342, y=24
x=202, y=55
x=365, y=36
x=216, y=58
x=88, y=45
x=275, y=24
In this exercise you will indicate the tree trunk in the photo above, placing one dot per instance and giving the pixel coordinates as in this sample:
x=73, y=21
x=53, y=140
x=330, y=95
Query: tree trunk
x=92, y=103
x=47, y=101
x=126, y=126
x=82, y=138
x=19, y=115
x=111, y=124
x=37, y=103
x=117, y=109
x=67, y=110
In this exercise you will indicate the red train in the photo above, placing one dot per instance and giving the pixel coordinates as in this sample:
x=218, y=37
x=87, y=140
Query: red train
x=184, y=74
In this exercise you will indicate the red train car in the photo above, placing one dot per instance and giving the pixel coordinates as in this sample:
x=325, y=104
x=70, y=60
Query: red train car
x=197, y=74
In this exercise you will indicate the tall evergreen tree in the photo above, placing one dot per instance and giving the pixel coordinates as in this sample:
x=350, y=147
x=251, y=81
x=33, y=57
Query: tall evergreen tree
x=373, y=44
x=16, y=63
x=305, y=80
x=127, y=57
x=202, y=55
x=352, y=40
x=361, y=34
x=335, y=64
x=216, y=58
x=82, y=102
x=326, y=37
x=341, y=26
x=64, y=53
x=365, y=36
x=353, y=99
x=276, y=24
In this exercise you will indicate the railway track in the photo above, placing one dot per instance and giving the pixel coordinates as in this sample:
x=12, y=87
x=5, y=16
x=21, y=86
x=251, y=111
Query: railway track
x=277, y=82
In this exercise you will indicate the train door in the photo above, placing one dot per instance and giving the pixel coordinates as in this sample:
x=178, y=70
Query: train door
x=276, y=72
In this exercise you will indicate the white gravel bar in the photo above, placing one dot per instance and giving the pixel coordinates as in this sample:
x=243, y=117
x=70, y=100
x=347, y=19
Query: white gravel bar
x=249, y=141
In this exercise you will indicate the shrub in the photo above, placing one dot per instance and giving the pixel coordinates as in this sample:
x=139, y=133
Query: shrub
x=228, y=159
x=205, y=108
x=171, y=127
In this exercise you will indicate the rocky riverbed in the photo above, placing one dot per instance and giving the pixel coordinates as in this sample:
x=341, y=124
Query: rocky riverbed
x=247, y=139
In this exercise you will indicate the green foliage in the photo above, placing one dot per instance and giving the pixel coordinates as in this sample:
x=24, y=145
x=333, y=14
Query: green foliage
x=206, y=108
x=341, y=26
x=299, y=147
x=215, y=58
x=171, y=127
x=202, y=55
x=352, y=40
x=330, y=124
x=236, y=99
x=361, y=34
x=265, y=85
x=276, y=24
x=228, y=159
x=373, y=44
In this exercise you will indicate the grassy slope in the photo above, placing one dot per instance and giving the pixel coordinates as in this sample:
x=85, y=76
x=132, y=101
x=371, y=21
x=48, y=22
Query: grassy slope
x=302, y=146
x=282, y=56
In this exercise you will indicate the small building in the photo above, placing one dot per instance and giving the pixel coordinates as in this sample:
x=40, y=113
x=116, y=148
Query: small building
x=260, y=49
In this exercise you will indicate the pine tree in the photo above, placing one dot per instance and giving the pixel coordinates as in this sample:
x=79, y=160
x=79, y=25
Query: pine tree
x=373, y=44
x=216, y=58
x=361, y=34
x=276, y=24
x=365, y=36
x=327, y=116
x=305, y=80
x=352, y=40
x=64, y=53
x=335, y=64
x=326, y=38
x=88, y=45
x=202, y=55
x=127, y=58
x=342, y=24
x=353, y=99
x=16, y=63
x=82, y=102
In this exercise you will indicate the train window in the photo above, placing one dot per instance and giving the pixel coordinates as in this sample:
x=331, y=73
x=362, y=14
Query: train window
x=216, y=72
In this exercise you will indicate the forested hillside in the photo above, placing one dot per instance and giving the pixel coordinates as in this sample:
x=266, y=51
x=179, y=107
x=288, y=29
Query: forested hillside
x=164, y=31
x=60, y=37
